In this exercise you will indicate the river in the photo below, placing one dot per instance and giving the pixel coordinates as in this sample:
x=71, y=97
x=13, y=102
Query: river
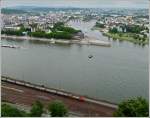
x=113, y=74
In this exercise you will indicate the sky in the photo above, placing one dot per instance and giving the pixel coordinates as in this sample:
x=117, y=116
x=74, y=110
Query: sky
x=79, y=3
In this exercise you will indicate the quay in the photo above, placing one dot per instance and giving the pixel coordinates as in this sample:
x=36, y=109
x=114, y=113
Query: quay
x=85, y=41
x=21, y=92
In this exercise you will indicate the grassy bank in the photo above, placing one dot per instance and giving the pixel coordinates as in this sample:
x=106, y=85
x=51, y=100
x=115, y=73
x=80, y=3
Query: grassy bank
x=126, y=37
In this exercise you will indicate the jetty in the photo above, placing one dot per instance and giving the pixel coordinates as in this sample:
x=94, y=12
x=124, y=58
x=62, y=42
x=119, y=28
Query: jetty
x=21, y=92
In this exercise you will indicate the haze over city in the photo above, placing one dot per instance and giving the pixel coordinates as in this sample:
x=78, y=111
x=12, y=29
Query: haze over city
x=79, y=3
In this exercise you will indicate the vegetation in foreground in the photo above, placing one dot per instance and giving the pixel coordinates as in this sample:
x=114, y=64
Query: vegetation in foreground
x=9, y=111
x=137, y=107
x=36, y=110
x=55, y=109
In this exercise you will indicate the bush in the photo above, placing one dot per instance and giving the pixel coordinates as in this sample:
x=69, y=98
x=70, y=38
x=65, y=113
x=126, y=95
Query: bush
x=37, y=109
x=9, y=111
x=138, y=107
x=57, y=109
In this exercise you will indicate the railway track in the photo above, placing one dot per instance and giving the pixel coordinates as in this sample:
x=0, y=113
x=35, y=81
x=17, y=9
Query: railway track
x=25, y=92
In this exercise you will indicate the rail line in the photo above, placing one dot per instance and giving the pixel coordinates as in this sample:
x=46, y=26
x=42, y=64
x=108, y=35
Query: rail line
x=58, y=92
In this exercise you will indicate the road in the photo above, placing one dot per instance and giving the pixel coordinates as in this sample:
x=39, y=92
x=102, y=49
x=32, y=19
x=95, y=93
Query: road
x=24, y=95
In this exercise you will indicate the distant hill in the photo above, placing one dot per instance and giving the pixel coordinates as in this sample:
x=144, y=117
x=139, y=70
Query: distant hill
x=12, y=11
x=40, y=9
x=108, y=11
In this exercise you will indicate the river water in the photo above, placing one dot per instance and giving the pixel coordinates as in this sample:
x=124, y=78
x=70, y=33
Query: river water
x=113, y=74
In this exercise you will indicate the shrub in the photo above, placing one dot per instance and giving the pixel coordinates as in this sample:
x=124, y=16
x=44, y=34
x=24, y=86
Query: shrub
x=57, y=109
x=138, y=107
x=37, y=109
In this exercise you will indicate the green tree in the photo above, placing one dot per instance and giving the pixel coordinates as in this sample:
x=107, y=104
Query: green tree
x=9, y=111
x=113, y=30
x=100, y=25
x=137, y=107
x=61, y=35
x=37, y=109
x=13, y=32
x=134, y=28
x=58, y=24
x=67, y=29
x=57, y=109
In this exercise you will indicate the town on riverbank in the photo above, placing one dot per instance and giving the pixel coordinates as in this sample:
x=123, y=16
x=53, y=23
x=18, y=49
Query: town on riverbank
x=53, y=24
x=125, y=28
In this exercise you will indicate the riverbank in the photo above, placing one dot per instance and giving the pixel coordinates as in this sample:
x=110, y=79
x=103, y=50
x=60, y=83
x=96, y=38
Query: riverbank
x=26, y=93
x=125, y=37
x=85, y=41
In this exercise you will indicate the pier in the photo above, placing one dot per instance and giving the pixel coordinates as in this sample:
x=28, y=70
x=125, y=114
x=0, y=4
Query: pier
x=26, y=93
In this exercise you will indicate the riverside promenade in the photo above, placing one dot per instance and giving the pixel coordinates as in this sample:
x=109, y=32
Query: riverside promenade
x=25, y=93
x=85, y=41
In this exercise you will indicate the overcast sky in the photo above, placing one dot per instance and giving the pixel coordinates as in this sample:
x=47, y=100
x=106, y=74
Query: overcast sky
x=78, y=3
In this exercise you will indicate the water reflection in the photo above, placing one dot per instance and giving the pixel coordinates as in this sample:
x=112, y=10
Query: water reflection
x=39, y=42
x=13, y=40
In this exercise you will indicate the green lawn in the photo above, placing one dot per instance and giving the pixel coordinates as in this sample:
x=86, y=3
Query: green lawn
x=126, y=37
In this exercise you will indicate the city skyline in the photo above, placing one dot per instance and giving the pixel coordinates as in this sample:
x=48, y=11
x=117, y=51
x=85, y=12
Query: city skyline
x=79, y=3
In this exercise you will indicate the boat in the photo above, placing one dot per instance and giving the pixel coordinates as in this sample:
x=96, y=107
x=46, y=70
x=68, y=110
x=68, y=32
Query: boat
x=10, y=46
x=90, y=56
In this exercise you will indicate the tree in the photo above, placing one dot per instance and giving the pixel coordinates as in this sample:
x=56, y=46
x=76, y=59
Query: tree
x=58, y=24
x=13, y=32
x=37, y=109
x=67, y=29
x=134, y=28
x=113, y=30
x=100, y=25
x=57, y=109
x=137, y=107
x=9, y=111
